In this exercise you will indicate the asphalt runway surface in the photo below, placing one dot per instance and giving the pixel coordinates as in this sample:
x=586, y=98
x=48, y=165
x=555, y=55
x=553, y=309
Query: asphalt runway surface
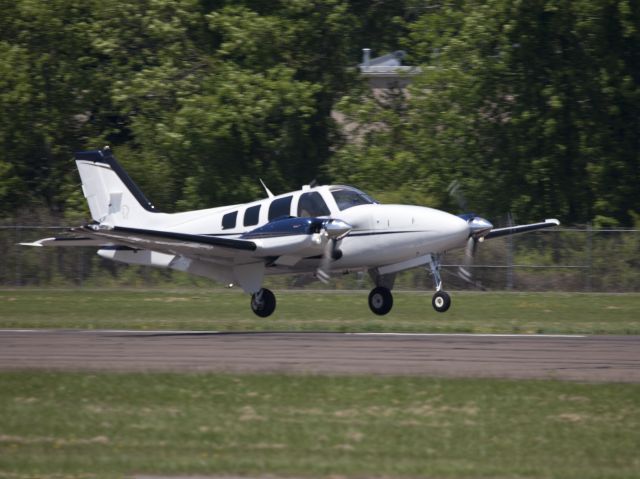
x=580, y=358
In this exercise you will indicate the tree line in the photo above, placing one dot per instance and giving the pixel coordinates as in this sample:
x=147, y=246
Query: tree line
x=528, y=107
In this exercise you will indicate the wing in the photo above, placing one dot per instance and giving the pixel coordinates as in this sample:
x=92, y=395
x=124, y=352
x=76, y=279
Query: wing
x=161, y=241
x=512, y=230
x=69, y=241
x=182, y=244
x=283, y=245
x=255, y=246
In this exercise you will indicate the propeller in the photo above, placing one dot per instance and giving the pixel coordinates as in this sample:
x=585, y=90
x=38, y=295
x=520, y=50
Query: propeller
x=332, y=232
x=478, y=229
x=455, y=191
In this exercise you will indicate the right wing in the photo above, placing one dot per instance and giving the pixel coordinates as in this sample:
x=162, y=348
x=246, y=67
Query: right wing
x=512, y=230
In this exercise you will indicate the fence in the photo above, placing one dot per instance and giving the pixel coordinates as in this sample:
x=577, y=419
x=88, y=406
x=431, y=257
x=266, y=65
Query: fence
x=561, y=259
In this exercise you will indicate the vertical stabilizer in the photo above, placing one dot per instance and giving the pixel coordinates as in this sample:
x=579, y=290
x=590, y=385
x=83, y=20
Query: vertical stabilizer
x=113, y=197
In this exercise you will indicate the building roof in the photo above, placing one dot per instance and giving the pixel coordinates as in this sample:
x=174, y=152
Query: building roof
x=385, y=65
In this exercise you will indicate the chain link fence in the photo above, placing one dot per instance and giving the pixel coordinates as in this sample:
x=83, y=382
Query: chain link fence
x=560, y=259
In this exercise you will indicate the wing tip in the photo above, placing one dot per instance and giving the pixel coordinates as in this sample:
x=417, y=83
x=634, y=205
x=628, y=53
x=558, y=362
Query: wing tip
x=35, y=243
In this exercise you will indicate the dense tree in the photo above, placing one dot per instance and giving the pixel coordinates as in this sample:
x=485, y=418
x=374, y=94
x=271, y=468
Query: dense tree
x=198, y=98
x=42, y=97
x=531, y=106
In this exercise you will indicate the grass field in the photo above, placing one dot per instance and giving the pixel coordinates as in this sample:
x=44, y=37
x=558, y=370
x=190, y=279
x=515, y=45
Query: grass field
x=225, y=310
x=63, y=425
x=113, y=425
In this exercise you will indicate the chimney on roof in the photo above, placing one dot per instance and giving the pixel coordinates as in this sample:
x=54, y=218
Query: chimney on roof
x=366, y=57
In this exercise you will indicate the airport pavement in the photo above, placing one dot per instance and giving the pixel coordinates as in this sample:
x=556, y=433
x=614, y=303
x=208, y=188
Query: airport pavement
x=562, y=357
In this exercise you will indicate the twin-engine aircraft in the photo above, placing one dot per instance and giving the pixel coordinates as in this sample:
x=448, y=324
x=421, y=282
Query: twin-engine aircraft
x=319, y=231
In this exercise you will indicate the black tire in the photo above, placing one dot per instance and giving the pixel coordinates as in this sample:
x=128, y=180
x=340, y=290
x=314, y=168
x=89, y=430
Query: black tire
x=267, y=304
x=441, y=301
x=380, y=300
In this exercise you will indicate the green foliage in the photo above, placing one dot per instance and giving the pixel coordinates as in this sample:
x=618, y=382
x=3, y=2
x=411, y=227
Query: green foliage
x=531, y=106
x=197, y=101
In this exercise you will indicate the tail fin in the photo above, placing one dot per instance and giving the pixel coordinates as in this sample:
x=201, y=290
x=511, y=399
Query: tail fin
x=112, y=195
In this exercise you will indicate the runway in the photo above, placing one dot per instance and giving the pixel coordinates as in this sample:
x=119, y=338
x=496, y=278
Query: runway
x=579, y=358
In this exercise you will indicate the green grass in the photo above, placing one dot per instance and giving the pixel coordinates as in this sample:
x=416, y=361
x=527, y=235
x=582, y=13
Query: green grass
x=226, y=310
x=115, y=424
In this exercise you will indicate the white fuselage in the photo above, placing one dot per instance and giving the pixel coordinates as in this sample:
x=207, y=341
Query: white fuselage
x=381, y=235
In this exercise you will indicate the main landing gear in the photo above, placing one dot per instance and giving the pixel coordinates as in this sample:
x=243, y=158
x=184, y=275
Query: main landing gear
x=263, y=303
x=380, y=300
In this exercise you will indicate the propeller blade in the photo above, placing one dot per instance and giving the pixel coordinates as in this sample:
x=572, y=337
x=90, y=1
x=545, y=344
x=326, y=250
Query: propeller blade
x=456, y=193
x=478, y=229
x=333, y=231
x=322, y=273
x=469, y=256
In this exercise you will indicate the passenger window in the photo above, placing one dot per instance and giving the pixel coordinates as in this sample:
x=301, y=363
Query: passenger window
x=280, y=208
x=252, y=215
x=312, y=204
x=229, y=220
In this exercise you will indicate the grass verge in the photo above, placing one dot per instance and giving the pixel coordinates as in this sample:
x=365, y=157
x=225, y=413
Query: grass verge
x=111, y=425
x=225, y=310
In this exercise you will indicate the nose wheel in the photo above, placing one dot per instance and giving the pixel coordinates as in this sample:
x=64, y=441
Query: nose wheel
x=263, y=303
x=380, y=300
x=441, y=301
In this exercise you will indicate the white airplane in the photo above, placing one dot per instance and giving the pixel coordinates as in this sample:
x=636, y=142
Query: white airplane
x=318, y=230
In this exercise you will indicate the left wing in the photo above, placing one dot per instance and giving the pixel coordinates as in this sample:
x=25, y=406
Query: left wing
x=179, y=244
x=290, y=237
x=68, y=241
x=161, y=241
x=150, y=239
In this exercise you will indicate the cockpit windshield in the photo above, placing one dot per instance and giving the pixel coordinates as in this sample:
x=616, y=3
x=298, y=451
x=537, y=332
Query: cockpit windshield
x=346, y=197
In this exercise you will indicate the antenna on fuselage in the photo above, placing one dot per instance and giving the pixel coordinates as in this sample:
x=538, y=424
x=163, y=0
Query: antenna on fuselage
x=269, y=194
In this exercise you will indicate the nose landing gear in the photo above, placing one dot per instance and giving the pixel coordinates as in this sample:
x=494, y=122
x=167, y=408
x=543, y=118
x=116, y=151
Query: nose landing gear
x=441, y=301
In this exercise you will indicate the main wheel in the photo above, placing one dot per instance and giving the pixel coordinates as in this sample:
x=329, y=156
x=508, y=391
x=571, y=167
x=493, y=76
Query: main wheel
x=441, y=301
x=380, y=300
x=263, y=303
